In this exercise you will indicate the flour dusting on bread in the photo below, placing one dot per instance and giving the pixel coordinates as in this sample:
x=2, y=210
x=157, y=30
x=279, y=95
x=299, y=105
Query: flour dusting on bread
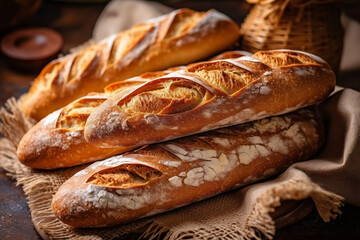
x=155, y=177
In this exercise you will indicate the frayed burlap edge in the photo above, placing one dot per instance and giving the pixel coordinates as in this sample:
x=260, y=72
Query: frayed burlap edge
x=327, y=204
x=13, y=125
x=40, y=186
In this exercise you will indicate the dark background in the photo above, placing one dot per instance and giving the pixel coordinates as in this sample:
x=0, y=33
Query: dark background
x=75, y=20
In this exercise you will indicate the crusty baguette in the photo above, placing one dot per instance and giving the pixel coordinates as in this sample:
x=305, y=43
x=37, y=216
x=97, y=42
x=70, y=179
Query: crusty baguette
x=58, y=141
x=161, y=177
x=181, y=37
x=211, y=95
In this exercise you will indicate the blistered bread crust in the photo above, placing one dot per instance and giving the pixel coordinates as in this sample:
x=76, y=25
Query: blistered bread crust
x=181, y=37
x=211, y=95
x=161, y=177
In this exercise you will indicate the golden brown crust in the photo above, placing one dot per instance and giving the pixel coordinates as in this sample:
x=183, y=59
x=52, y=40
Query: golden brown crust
x=154, y=178
x=178, y=38
x=211, y=95
x=58, y=141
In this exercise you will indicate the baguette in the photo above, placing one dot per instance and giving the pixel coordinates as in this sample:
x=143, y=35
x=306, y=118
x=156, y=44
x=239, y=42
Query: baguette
x=181, y=37
x=58, y=141
x=210, y=95
x=161, y=177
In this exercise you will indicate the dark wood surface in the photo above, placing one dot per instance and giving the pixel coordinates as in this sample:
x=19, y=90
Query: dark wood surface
x=75, y=21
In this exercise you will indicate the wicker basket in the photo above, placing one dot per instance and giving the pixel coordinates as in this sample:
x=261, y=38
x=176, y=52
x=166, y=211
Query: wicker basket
x=308, y=25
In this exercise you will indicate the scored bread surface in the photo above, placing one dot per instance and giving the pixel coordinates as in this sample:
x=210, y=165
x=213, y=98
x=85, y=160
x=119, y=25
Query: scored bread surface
x=161, y=177
x=211, y=95
x=181, y=37
x=58, y=141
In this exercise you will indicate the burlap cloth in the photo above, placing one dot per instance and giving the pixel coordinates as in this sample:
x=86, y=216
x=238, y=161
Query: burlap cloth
x=328, y=179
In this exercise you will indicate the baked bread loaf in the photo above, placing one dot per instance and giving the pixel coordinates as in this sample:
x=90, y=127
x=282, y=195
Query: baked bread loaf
x=181, y=37
x=58, y=141
x=161, y=177
x=210, y=95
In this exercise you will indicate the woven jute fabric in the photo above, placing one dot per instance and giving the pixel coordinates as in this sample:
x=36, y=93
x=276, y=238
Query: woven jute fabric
x=244, y=213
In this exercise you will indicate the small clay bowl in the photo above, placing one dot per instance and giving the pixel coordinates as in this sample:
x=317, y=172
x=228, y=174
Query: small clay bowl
x=32, y=48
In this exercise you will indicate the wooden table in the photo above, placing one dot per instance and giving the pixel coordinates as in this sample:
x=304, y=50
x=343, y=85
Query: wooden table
x=75, y=22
